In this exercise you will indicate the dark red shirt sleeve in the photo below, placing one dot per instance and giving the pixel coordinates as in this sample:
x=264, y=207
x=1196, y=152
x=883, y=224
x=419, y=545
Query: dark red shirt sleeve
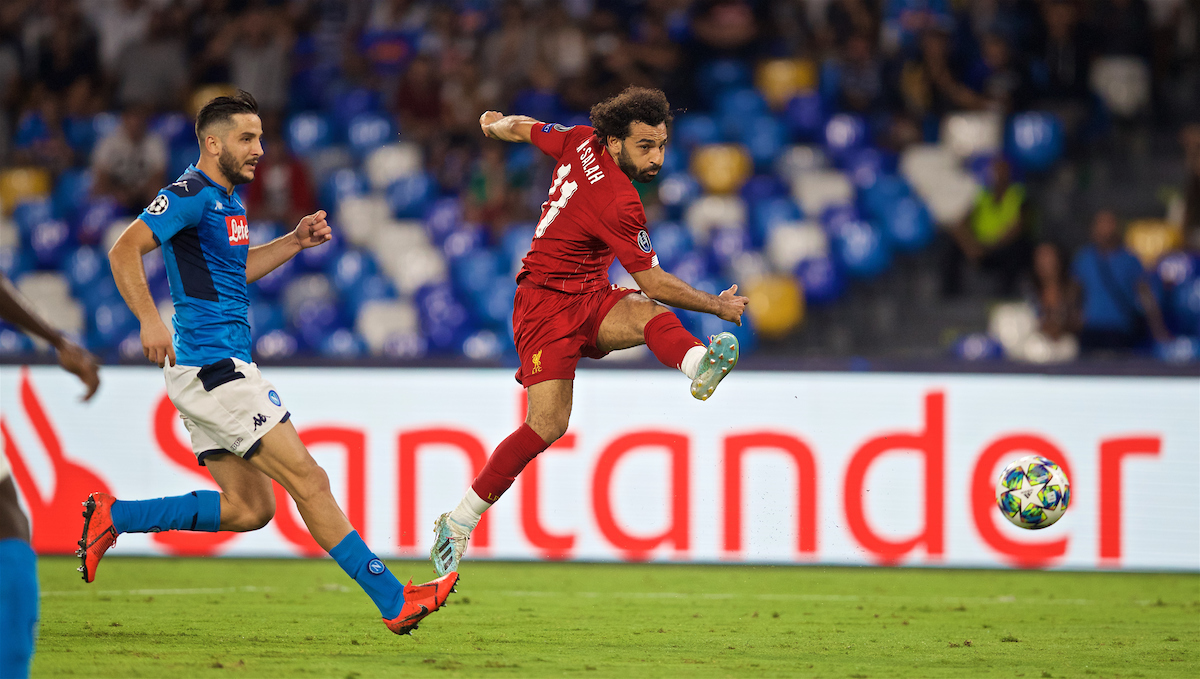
x=623, y=228
x=552, y=138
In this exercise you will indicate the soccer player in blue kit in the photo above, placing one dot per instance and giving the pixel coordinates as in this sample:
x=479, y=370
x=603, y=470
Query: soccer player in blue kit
x=237, y=421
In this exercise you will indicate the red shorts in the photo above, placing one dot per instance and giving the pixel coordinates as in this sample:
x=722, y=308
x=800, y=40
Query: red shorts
x=553, y=330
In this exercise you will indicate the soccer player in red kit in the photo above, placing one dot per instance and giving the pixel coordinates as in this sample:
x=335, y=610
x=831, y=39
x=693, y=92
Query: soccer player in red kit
x=565, y=308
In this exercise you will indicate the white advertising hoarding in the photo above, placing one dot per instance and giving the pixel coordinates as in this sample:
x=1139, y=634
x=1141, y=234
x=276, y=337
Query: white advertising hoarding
x=778, y=467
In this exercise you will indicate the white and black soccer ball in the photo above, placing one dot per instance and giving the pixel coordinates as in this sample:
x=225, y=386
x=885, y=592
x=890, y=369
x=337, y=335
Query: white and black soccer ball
x=1033, y=492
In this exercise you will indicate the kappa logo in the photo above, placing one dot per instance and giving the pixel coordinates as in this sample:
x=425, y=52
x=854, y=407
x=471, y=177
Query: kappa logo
x=159, y=205
x=239, y=230
x=259, y=420
x=643, y=241
x=537, y=362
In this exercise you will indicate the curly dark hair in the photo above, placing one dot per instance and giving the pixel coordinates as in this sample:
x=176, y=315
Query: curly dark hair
x=223, y=109
x=613, y=116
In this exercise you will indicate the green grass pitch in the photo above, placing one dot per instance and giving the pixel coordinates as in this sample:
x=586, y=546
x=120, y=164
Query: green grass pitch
x=182, y=618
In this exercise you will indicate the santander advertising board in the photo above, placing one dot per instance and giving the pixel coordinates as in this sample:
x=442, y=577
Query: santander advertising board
x=871, y=469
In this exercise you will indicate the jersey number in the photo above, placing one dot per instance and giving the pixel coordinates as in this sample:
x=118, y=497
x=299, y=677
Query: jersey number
x=568, y=190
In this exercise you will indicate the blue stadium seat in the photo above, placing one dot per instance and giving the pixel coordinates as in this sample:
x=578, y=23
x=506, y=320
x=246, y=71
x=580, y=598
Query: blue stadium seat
x=349, y=268
x=463, y=241
x=444, y=217
x=762, y=187
x=1185, y=306
x=1177, y=268
x=83, y=267
x=410, y=197
x=908, y=225
x=96, y=218
x=342, y=183
x=805, y=117
x=314, y=320
x=878, y=198
x=368, y=131
x=736, y=107
x=51, y=241
x=29, y=214
x=725, y=245
x=690, y=130
x=495, y=305
x=485, y=345
x=345, y=105
x=515, y=242
x=265, y=317
x=766, y=214
x=835, y=216
x=1035, y=140
x=820, y=279
x=691, y=268
x=671, y=242
x=1181, y=349
x=174, y=128
x=13, y=342
x=81, y=134
x=860, y=249
x=865, y=166
x=273, y=283
x=368, y=289
x=978, y=347
x=318, y=258
x=308, y=133
x=103, y=289
x=109, y=323
x=444, y=321
x=275, y=345
x=844, y=133
x=71, y=192
x=720, y=75
x=16, y=260
x=764, y=137
x=344, y=344
x=474, y=272
x=181, y=155
x=676, y=192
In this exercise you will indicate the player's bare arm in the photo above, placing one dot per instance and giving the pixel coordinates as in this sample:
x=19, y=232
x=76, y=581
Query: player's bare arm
x=312, y=231
x=496, y=125
x=76, y=360
x=670, y=290
x=125, y=257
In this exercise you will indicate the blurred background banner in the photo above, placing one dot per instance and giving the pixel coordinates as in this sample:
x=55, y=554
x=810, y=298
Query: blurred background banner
x=831, y=468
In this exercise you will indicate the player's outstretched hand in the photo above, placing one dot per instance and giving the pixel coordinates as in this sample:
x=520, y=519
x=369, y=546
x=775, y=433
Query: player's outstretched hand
x=156, y=343
x=733, y=305
x=313, y=230
x=486, y=120
x=81, y=363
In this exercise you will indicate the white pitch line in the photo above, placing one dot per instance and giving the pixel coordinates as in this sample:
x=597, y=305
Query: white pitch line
x=159, y=592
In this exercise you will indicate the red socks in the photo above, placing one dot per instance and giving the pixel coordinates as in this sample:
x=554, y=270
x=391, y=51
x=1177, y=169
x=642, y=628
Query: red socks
x=667, y=339
x=509, y=458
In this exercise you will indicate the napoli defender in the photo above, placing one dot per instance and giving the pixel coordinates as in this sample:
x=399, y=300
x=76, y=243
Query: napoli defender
x=18, y=564
x=566, y=309
x=239, y=426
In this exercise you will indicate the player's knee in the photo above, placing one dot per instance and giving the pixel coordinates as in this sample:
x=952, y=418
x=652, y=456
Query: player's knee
x=551, y=428
x=261, y=514
x=311, y=483
x=251, y=513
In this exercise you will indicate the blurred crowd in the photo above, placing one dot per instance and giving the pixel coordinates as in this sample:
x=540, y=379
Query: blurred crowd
x=96, y=97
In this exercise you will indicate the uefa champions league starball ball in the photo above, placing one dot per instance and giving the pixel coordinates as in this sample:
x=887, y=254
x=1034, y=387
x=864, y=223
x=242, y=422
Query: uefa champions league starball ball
x=1033, y=492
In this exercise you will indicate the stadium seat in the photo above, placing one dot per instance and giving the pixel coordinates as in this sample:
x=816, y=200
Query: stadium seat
x=484, y=345
x=1039, y=348
x=81, y=134
x=14, y=342
x=444, y=217
x=83, y=267
x=951, y=199
x=924, y=165
x=274, y=282
x=1181, y=349
x=388, y=163
x=51, y=242
x=466, y=239
x=343, y=344
x=727, y=243
x=790, y=243
x=103, y=289
x=22, y=184
x=275, y=345
x=314, y=320
x=97, y=216
x=815, y=191
x=444, y=321
x=805, y=117
x=44, y=288
x=865, y=166
x=494, y=306
x=1177, y=268
x=71, y=192
x=349, y=268
x=474, y=272
x=691, y=269
x=411, y=269
x=978, y=347
x=344, y=105
x=711, y=212
x=1122, y=83
x=1035, y=140
x=844, y=133
x=174, y=127
x=1011, y=324
x=721, y=168
x=315, y=259
x=764, y=186
x=860, y=249
x=721, y=75
x=339, y=185
x=972, y=133
x=409, y=197
x=1150, y=239
x=306, y=288
x=671, y=241
x=776, y=305
x=378, y=320
x=820, y=279
x=369, y=131
x=677, y=191
x=907, y=224
x=1185, y=306
x=514, y=245
x=110, y=323
x=265, y=317
x=359, y=218
x=879, y=197
x=747, y=267
x=324, y=162
x=691, y=130
x=308, y=133
x=764, y=138
x=737, y=106
x=30, y=213
x=795, y=161
x=15, y=261
x=781, y=79
x=769, y=213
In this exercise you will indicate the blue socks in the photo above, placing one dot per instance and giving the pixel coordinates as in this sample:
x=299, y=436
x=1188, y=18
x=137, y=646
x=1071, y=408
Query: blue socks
x=369, y=572
x=18, y=607
x=198, y=510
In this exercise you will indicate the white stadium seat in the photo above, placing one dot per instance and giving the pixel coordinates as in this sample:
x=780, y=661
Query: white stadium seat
x=712, y=212
x=793, y=242
x=1123, y=83
x=359, y=217
x=380, y=320
x=950, y=199
x=798, y=160
x=974, y=133
x=313, y=286
x=819, y=189
x=1011, y=324
x=388, y=163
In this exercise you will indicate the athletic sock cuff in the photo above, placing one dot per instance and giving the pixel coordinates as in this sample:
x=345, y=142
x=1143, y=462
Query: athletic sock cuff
x=208, y=513
x=530, y=440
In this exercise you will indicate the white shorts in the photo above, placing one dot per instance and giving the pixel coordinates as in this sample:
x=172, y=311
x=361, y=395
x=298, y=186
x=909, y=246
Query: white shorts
x=227, y=406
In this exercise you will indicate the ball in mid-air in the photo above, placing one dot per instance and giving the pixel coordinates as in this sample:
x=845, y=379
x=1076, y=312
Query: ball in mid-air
x=1033, y=492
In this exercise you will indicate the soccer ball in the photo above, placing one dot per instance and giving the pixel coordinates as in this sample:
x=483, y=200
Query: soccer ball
x=1033, y=492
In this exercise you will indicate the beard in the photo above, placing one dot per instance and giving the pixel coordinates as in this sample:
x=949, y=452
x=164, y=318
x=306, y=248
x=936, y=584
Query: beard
x=626, y=164
x=232, y=169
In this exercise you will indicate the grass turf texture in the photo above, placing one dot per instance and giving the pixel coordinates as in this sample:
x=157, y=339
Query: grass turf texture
x=274, y=618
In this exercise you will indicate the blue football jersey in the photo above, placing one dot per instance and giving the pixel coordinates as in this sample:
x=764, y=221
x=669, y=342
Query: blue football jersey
x=205, y=239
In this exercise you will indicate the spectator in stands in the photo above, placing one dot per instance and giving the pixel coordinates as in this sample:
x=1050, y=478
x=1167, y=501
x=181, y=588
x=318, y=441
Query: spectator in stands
x=992, y=236
x=281, y=191
x=858, y=75
x=152, y=71
x=1120, y=312
x=487, y=198
x=464, y=95
x=1055, y=295
x=928, y=84
x=1190, y=136
x=119, y=24
x=997, y=77
x=258, y=59
x=510, y=51
x=1122, y=27
x=130, y=164
x=67, y=53
x=907, y=22
x=418, y=102
x=1060, y=64
x=40, y=139
x=845, y=19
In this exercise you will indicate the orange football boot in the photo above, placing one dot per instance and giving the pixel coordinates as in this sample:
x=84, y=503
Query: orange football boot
x=98, y=533
x=420, y=601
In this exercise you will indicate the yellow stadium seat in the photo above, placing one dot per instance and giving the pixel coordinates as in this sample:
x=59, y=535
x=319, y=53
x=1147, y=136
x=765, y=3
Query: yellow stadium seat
x=21, y=184
x=1150, y=239
x=776, y=305
x=207, y=93
x=721, y=168
x=781, y=79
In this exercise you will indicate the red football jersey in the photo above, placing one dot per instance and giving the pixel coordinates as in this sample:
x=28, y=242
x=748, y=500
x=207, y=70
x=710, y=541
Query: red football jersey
x=592, y=215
